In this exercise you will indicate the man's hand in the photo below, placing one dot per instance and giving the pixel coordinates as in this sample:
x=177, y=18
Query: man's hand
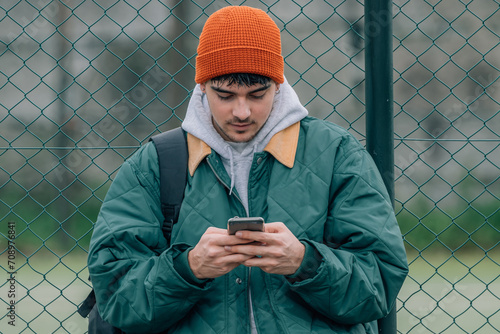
x=210, y=259
x=279, y=251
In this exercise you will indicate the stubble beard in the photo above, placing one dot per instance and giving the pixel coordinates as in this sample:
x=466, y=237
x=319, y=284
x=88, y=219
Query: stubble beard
x=228, y=137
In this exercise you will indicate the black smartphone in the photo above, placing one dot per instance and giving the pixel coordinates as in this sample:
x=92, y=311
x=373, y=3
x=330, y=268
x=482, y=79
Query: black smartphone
x=245, y=223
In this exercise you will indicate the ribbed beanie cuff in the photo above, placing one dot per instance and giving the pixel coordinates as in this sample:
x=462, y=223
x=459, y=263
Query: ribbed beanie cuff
x=239, y=39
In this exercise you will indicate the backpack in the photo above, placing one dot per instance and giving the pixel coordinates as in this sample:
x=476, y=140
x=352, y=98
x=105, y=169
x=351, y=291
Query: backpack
x=171, y=147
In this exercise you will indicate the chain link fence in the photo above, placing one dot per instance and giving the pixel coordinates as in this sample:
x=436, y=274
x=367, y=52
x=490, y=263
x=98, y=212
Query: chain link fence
x=447, y=149
x=84, y=83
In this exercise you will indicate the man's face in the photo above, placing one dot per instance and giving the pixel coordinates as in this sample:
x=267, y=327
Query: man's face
x=239, y=112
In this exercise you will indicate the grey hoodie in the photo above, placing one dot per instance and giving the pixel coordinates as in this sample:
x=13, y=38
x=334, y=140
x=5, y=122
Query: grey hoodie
x=237, y=157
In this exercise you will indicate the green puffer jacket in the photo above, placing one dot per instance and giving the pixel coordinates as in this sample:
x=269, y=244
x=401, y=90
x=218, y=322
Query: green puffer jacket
x=316, y=179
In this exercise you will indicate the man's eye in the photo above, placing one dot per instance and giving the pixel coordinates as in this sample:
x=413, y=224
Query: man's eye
x=224, y=97
x=257, y=97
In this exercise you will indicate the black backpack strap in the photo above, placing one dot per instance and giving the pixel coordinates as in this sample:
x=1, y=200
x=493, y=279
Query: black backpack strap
x=171, y=147
x=87, y=304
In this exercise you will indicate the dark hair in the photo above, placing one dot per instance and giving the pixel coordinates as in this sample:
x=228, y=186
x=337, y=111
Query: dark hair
x=242, y=79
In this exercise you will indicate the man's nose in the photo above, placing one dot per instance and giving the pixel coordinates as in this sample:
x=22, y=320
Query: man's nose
x=241, y=110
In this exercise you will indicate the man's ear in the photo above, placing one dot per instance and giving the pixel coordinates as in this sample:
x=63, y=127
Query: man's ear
x=203, y=87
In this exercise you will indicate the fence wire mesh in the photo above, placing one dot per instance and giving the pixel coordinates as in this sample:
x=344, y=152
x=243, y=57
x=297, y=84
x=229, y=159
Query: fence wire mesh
x=447, y=96
x=84, y=83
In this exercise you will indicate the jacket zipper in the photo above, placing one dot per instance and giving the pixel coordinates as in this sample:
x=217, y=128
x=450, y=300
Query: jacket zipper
x=249, y=269
x=221, y=181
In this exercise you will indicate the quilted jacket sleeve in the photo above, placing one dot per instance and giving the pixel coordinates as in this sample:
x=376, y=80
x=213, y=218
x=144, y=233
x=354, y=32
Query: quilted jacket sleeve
x=362, y=261
x=131, y=270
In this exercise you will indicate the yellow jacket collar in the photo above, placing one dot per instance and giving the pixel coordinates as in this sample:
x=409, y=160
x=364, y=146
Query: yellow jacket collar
x=282, y=146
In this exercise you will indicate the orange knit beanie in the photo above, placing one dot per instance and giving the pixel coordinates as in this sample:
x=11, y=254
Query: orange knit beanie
x=239, y=39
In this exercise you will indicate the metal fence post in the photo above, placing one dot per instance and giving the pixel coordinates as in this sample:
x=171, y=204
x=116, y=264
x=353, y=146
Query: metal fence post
x=379, y=104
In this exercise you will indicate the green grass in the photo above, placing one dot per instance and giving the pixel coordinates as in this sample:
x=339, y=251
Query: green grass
x=443, y=294
x=48, y=291
x=451, y=294
x=453, y=287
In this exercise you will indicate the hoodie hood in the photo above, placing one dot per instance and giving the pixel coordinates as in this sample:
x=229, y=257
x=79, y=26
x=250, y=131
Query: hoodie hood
x=237, y=157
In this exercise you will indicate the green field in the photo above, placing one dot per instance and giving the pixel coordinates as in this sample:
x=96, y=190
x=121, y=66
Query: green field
x=441, y=295
x=47, y=294
x=445, y=294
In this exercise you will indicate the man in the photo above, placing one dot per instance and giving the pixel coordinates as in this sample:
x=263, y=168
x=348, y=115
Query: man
x=331, y=258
